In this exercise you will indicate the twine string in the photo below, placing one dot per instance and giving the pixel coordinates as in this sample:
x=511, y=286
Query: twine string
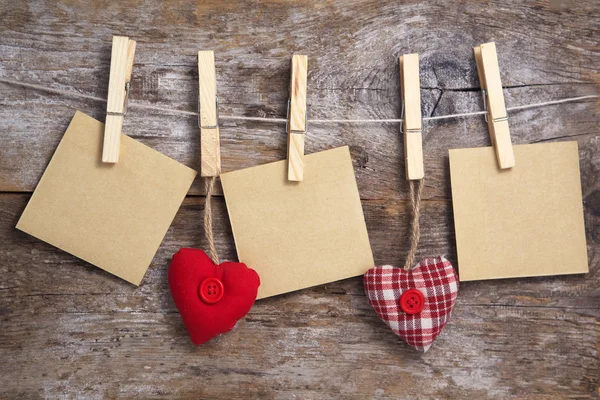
x=210, y=182
x=284, y=120
x=208, y=222
x=415, y=202
x=415, y=198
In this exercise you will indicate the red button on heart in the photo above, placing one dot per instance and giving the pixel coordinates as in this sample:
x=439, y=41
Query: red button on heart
x=436, y=281
x=412, y=301
x=210, y=298
x=211, y=290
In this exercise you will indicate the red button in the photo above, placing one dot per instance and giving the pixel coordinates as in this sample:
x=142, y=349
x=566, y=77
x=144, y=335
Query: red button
x=211, y=290
x=412, y=301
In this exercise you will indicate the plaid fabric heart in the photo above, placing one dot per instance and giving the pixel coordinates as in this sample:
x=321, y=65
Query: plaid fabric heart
x=415, y=304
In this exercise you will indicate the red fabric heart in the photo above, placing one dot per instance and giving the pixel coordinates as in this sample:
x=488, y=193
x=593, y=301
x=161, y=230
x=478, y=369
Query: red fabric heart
x=434, y=278
x=205, y=320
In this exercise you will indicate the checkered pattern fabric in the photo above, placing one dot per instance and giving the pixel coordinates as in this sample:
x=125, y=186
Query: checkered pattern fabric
x=434, y=278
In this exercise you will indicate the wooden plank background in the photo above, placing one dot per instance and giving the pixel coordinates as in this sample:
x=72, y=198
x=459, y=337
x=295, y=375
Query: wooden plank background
x=69, y=330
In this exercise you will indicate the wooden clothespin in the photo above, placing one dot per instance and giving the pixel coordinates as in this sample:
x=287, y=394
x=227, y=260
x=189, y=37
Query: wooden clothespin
x=297, y=118
x=208, y=115
x=497, y=116
x=121, y=64
x=412, y=123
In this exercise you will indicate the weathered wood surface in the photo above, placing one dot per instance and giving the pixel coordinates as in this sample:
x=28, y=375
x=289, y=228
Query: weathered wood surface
x=70, y=330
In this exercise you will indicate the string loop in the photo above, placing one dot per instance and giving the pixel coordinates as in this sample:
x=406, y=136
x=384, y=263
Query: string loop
x=415, y=202
x=208, y=222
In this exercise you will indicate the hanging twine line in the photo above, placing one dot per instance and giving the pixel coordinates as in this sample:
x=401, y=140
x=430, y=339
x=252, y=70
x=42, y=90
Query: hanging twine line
x=208, y=222
x=284, y=120
x=415, y=198
x=415, y=202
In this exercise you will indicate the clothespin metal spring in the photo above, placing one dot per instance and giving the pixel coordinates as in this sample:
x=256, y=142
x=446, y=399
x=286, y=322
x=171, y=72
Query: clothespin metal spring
x=402, y=124
x=287, y=120
x=124, y=113
x=199, y=118
x=484, y=96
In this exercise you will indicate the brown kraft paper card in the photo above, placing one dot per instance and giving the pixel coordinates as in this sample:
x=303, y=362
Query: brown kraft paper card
x=113, y=216
x=299, y=234
x=523, y=221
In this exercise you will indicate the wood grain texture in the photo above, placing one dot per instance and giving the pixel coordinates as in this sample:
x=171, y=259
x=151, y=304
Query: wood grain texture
x=412, y=121
x=70, y=330
x=121, y=67
x=488, y=70
x=210, y=147
x=297, y=117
